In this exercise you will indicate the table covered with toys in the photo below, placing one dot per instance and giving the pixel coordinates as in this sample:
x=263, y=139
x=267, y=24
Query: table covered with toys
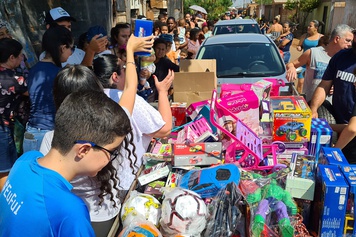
x=249, y=162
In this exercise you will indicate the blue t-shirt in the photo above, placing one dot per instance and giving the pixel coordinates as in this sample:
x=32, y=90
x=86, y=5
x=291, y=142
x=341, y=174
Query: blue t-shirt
x=37, y=201
x=40, y=85
x=340, y=71
x=287, y=46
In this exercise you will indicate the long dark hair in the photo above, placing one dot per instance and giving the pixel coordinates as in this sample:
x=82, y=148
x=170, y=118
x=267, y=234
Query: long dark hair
x=104, y=66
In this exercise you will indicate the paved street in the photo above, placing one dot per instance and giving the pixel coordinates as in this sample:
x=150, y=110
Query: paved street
x=293, y=50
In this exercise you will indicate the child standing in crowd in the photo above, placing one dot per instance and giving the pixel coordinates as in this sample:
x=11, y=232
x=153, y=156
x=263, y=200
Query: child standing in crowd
x=181, y=30
x=164, y=28
x=183, y=54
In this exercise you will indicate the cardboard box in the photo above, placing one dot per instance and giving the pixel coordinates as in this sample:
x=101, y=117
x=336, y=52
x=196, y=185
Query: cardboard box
x=332, y=156
x=192, y=87
x=321, y=136
x=350, y=176
x=291, y=119
x=158, y=3
x=197, y=154
x=330, y=201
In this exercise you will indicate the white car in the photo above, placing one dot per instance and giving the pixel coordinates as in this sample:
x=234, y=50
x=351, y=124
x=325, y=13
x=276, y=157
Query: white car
x=243, y=58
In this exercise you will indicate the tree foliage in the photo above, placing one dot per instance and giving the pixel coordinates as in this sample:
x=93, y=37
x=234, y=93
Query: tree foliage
x=303, y=5
x=214, y=7
x=303, y=8
x=264, y=1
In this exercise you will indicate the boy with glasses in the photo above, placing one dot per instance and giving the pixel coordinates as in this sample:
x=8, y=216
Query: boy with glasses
x=38, y=189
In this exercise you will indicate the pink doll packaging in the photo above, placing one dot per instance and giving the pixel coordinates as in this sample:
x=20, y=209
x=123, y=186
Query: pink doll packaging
x=245, y=106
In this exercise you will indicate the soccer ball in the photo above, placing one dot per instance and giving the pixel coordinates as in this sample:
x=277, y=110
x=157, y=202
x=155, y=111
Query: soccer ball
x=183, y=212
x=140, y=229
x=141, y=206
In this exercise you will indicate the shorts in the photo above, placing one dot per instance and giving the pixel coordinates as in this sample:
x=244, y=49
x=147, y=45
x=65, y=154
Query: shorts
x=8, y=153
x=301, y=74
x=33, y=138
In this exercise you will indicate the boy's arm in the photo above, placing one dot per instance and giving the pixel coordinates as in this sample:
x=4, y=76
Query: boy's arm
x=135, y=44
x=347, y=134
x=95, y=46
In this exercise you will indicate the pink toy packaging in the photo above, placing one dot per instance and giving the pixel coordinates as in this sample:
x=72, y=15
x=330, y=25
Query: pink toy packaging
x=262, y=89
x=233, y=89
x=245, y=106
x=194, y=108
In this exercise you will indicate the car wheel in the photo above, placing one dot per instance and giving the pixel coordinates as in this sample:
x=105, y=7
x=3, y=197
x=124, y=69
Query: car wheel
x=323, y=112
x=291, y=136
x=279, y=133
x=302, y=132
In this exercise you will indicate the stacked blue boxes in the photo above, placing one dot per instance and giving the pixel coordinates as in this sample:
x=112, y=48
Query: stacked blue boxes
x=332, y=156
x=330, y=201
x=320, y=136
x=350, y=223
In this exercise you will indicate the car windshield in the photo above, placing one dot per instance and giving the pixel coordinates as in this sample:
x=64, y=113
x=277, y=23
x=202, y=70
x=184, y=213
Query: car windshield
x=244, y=59
x=234, y=29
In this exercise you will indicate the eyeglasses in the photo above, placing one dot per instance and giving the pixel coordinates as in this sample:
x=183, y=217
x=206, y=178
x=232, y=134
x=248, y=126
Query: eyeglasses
x=348, y=40
x=113, y=154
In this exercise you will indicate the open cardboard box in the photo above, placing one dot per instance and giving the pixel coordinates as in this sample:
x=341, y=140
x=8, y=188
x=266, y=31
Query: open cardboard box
x=195, y=81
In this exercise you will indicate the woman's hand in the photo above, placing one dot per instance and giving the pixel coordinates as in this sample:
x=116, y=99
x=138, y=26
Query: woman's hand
x=165, y=85
x=140, y=44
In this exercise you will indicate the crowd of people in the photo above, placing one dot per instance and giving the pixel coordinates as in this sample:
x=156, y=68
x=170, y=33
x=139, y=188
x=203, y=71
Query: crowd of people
x=86, y=120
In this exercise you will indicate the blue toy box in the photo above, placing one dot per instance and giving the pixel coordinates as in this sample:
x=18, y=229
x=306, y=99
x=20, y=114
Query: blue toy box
x=320, y=136
x=330, y=201
x=332, y=156
x=350, y=223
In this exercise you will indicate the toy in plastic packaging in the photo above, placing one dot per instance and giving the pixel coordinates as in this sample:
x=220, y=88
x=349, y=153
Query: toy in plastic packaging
x=207, y=182
x=141, y=206
x=226, y=213
x=183, y=213
x=270, y=204
x=140, y=228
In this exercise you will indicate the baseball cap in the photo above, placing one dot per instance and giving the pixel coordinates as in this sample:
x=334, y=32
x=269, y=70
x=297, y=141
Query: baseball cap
x=95, y=30
x=167, y=37
x=58, y=14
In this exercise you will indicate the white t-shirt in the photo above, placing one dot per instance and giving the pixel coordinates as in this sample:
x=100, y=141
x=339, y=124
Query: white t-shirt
x=75, y=59
x=145, y=120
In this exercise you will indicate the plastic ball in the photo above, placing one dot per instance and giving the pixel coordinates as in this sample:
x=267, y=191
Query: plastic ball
x=141, y=206
x=183, y=212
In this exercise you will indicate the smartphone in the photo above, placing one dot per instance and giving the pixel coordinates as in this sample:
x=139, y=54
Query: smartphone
x=143, y=28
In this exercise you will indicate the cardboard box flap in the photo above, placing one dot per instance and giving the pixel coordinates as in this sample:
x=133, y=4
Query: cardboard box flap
x=198, y=65
x=192, y=87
